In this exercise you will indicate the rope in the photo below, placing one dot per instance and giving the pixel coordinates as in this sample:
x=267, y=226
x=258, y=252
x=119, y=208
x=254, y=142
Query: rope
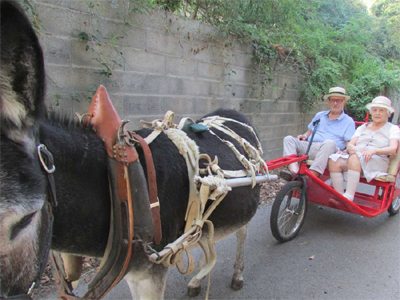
x=254, y=164
x=210, y=186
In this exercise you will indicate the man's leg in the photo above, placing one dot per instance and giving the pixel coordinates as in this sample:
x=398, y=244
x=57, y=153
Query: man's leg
x=321, y=152
x=292, y=145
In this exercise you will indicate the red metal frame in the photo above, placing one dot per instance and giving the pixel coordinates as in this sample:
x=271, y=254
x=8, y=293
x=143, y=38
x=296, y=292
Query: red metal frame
x=320, y=193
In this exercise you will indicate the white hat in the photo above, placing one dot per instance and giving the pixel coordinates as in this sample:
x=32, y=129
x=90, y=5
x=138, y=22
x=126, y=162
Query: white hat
x=381, y=101
x=337, y=91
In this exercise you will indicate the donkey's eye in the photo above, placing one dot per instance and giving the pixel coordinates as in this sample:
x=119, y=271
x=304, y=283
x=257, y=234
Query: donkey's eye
x=21, y=224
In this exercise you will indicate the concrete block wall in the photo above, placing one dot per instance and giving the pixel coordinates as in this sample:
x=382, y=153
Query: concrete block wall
x=161, y=62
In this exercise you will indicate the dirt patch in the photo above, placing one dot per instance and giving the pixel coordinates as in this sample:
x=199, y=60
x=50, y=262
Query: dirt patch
x=48, y=282
x=269, y=191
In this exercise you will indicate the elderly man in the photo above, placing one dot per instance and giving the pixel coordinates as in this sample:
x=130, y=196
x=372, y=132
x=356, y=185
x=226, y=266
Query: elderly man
x=335, y=129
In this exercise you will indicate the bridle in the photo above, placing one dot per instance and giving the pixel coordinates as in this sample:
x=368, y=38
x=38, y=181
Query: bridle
x=47, y=165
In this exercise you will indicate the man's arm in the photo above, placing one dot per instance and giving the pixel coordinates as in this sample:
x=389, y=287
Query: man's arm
x=304, y=136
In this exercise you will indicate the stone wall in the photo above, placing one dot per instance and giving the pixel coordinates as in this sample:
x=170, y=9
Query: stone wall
x=160, y=62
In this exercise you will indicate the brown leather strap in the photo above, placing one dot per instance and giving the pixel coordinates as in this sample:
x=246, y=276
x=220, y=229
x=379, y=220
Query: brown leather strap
x=123, y=166
x=120, y=244
x=152, y=186
x=107, y=123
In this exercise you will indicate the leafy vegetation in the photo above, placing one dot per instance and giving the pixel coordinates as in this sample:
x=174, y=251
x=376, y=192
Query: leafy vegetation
x=333, y=42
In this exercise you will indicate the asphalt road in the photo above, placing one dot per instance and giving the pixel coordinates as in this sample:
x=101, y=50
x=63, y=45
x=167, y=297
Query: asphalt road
x=337, y=255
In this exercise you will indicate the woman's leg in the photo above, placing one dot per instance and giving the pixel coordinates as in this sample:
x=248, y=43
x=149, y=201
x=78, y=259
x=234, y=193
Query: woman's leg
x=353, y=176
x=336, y=169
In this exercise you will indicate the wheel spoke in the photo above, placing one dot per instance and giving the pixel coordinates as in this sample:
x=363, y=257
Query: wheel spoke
x=288, y=221
x=288, y=212
x=284, y=219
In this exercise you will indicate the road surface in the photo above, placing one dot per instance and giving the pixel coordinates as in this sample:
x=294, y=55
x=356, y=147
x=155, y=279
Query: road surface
x=337, y=255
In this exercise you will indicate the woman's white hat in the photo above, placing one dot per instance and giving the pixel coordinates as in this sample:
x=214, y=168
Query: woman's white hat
x=381, y=101
x=338, y=92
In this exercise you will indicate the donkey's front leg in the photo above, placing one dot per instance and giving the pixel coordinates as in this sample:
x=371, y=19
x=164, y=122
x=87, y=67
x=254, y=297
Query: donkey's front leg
x=194, y=286
x=148, y=283
x=237, y=278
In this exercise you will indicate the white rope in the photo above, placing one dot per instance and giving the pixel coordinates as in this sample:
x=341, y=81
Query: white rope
x=254, y=164
x=220, y=120
x=185, y=145
x=212, y=185
x=253, y=153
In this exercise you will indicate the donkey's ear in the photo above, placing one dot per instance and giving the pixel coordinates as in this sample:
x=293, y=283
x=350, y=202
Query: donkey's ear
x=21, y=71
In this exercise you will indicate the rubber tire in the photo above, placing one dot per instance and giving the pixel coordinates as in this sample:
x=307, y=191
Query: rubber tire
x=394, y=210
x=275, y=211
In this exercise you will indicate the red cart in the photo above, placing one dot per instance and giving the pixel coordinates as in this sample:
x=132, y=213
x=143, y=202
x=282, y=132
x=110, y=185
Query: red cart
x=290, y=205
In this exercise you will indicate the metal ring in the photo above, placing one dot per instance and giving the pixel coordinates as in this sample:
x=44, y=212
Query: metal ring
x=121, y=133
x=83, y=117
x=41, y=148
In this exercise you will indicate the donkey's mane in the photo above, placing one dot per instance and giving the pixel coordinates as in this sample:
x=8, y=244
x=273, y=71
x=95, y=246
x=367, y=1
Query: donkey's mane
x=229, y=113
x=65, y=121
x=74, y=146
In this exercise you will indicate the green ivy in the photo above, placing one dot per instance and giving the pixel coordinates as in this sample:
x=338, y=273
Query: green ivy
x=333, y=42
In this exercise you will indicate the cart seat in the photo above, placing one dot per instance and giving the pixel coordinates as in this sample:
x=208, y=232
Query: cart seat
x=392, y=169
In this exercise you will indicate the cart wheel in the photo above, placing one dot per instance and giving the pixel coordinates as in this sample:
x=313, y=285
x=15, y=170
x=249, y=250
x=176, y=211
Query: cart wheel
x=288, y=211
x=394, y=208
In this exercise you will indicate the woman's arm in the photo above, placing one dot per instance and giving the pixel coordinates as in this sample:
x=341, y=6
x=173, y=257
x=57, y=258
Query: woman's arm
x=390, y=150
x=351, y=145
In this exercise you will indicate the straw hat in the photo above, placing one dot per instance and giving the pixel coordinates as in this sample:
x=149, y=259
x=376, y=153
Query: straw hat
x=337, y=91
x=381, y=101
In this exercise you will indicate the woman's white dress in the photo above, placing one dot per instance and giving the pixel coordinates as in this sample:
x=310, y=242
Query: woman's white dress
x=369, y=139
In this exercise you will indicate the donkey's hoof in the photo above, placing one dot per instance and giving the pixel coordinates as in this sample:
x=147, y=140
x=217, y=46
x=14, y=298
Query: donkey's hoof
x=236, y=284
x=193, y=291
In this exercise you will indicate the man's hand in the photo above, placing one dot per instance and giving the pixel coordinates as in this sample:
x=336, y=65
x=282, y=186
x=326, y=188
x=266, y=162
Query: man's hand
x=302, y=137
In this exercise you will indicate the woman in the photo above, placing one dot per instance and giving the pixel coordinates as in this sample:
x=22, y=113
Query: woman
x=368, y=150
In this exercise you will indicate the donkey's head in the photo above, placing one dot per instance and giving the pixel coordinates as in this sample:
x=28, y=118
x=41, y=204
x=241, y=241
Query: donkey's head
x=25, y=226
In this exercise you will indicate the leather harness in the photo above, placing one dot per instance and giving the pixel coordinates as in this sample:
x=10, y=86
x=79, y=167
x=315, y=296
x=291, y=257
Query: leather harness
x=152, y=185
x=125, y=172
x=135, y=212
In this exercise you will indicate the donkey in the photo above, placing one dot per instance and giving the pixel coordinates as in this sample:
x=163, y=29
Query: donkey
x=80, y=223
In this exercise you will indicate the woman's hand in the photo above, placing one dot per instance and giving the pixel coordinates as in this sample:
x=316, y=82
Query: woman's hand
x=367, y=154
x=351, y=149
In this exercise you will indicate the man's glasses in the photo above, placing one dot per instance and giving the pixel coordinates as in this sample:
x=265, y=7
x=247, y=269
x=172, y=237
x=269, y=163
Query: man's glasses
x=338, y=101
